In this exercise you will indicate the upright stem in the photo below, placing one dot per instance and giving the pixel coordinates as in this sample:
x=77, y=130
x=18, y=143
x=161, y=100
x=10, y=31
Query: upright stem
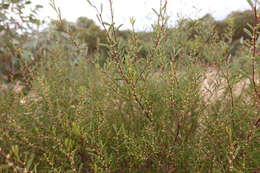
x=254, y=52
x=253, y=61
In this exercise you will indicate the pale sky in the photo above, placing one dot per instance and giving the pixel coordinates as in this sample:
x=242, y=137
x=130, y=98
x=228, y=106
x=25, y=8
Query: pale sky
x=141, y=10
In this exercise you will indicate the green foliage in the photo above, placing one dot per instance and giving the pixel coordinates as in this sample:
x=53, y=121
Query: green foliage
x=88, y=32
x=170, y=100
x=241, y=21
x=15, y=37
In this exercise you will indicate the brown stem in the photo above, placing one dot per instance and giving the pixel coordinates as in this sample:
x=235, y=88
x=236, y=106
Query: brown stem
x=10, y=162
x=112, y=20
x=135, y=43
x=157, y=40
x=227, y=76
x=254, y=53
x=116, y=56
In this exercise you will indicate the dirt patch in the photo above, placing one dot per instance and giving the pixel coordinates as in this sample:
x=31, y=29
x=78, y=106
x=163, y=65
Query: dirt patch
x=214, y=86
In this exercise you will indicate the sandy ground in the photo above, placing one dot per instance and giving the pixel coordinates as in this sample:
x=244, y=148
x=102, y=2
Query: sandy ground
x=214, y=86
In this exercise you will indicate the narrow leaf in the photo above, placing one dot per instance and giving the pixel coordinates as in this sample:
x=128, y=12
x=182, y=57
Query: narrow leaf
x=29, y=163
x=250, y=3
x=248, y=32
x=155, y=12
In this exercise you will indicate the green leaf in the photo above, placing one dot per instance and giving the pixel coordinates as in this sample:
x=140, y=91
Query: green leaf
x=89, y=2
x=248, y=32
x=29, y=163
x=108, y=24
x=76, y=129
x=132, y=20
x=95, y=168
x=28, y=2
x=5, y=6
x=104, y=45
x=155, y=12
x=38, y=6
x=15, y=150
x=119, y=26
x=250, y=26
x=250, y=3
x=15, y=1
x=118, y=79
x=98, y=18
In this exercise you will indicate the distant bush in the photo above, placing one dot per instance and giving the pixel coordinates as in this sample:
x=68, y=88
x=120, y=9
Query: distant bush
x=15, y=37
x=240, y=21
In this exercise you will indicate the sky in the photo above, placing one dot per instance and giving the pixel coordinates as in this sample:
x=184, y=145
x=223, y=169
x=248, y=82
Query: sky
x=141, y=10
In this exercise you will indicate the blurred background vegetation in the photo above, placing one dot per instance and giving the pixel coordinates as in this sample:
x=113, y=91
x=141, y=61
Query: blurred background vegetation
x=22, y=42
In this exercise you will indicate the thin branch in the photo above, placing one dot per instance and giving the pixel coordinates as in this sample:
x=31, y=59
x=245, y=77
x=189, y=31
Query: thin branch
x=254, y=52
x=157, y=40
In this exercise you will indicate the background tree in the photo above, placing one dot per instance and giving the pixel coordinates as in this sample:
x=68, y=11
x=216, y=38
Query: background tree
x=16, y=27
x=88, y=32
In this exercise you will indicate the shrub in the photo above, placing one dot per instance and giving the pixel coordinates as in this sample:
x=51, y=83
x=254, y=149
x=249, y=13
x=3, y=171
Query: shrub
x=135, y=114
x=16, y=46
